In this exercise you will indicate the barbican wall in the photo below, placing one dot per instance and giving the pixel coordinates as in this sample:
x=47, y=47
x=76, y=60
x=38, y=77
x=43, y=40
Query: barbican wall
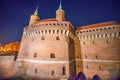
x=47, y=50
x=6, y=66
x=100, y=49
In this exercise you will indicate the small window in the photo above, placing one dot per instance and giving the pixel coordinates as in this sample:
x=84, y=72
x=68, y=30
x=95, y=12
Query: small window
x=65, y=24
x=107, y=41
x=52, y=56
x=119, y=34
x=36, y=32
x=64, y=71
x=100, y=68
x=100, y=28
x=96, y=56
x=49, y=31
x=90, y=30
x=84, y=42
x=35, y=54
x=86, y=56
x=35, y=70
x=57, y=38
x=39, y=32
x=77, y=56
x=52, y=73
x=104, y=28
x=57, y=31
x=78, y=65
x=109, y=28
x=101, y=35
x=42, y=38
x=97, y=35
x=83, y=31
x=46, y=31
x=113, y=27
x=87, y=66
x=53, y=31
x=61, y=31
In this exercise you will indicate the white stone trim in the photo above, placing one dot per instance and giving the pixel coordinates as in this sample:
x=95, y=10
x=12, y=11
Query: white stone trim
x=93, y=60
x=79, y=60
x=43, y=61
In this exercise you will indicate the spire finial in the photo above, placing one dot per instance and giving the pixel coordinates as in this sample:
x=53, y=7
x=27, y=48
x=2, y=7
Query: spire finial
x=36, y=11
x=60, y=6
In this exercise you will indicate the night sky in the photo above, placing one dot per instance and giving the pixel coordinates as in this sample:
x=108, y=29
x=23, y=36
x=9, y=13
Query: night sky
x=15, y=14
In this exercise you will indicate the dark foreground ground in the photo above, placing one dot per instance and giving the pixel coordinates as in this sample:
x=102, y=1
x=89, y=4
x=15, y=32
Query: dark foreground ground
x=18, y=78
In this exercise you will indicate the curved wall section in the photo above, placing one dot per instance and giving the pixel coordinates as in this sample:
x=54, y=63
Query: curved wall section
x=47, y=51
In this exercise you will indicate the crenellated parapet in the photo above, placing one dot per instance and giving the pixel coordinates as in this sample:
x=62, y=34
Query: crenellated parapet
x=46, y=32
x=43, y=28
x=99, y=32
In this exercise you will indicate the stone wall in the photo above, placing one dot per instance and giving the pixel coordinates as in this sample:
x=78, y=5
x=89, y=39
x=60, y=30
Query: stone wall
x=47, y=50
x=6, y=66
x=100, y=49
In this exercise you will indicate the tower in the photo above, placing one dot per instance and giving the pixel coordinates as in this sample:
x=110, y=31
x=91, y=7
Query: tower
x=60, y=13
x=34, y=18
x=47, y=45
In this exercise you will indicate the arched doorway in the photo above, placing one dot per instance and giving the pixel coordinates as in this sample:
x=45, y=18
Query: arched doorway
x=81, y=76
x=96, y=77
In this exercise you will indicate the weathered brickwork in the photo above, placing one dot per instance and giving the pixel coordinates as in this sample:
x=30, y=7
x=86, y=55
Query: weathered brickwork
x=52, y=49
x=6, y=66
x=100, y=49
x=47, y=49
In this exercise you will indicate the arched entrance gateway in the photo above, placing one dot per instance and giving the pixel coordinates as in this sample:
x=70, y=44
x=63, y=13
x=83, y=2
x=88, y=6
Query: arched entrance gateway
x=96, y=77
x=81, y=76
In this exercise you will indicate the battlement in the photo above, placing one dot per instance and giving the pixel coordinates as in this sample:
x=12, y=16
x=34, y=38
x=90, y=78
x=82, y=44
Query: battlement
x=51, y=23
x=97, y=25
x=46, y=32
x=49, y=27
x=99, y=32
x=102, y=35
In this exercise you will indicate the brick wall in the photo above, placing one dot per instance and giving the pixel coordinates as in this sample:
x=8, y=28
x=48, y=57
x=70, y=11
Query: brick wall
x=6, y=66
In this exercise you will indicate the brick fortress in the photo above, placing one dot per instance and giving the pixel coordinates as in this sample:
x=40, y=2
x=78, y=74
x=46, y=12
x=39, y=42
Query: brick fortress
x=52, y=49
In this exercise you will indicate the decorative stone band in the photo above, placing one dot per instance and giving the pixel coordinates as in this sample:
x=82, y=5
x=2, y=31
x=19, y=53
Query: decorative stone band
x=93, y=60
x=46, y=32
x=45, y=62
x=107, y=35
x=79, y=60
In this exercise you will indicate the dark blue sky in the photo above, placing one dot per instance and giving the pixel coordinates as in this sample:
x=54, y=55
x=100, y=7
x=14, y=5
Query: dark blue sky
x=15, y=14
